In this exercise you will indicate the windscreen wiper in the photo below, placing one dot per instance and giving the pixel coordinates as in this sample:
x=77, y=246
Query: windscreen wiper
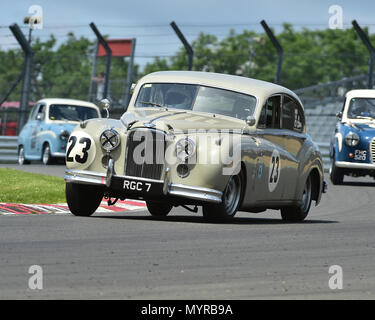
x=153, y=104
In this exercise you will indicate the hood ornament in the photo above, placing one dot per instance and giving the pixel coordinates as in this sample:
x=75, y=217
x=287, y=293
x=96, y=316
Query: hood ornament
x=105, y=104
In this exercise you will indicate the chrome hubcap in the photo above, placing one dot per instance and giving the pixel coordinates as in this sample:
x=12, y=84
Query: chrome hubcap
x=21, y=156
x=46, y=155
x=306, y=197
x=232, y=194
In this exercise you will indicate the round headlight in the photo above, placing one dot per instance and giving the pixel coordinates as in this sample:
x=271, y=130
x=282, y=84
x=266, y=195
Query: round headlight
x=185, y=149
x=109, y=140
x=64, y=135
x=352, y=139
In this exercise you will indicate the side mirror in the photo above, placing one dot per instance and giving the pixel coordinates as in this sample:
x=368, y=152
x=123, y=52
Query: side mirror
x=339, y=115
x=132, y=87
x=40, y=116
x=250, y=121
x=105, y=104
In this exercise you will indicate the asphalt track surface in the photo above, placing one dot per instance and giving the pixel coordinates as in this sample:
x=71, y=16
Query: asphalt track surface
x=136, y=256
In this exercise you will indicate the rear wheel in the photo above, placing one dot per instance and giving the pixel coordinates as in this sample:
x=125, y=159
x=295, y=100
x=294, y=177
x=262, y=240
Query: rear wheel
x=335, y=173
x=83, y=200
x=231, y=200
x=158, y=209
x=21, y=156
x=46, y=156
x=299, y=213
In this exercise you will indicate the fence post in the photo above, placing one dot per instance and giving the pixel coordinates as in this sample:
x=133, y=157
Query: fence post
x=186, y=44
x=25, y=93
x=109, y=57
x=278, y=47
x=93, y=73
x=129, y=76
x=367, y=43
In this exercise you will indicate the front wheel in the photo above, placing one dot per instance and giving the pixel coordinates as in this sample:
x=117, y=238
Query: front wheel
x=21, y=157
x=231, y=201
x=83, y=200
x=46, y=156
x=335, y=173
x=299, y=213
x=158, y=209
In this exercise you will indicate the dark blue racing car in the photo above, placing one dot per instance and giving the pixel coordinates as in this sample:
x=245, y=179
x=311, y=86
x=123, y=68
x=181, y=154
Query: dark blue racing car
x=352, y=149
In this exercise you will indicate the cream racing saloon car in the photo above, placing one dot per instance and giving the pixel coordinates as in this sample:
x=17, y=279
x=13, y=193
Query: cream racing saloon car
x=225, y=143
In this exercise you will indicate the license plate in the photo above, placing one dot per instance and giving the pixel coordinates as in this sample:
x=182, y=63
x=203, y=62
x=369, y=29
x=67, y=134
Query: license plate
x=139, y=187
x=360, y=155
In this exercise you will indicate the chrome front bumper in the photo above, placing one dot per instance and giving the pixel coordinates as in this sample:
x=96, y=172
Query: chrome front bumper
x=354, y=165
x=178, y=190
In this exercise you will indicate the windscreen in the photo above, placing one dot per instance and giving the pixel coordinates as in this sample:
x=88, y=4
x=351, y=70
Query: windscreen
x=196, y=98
x=361, y=108
x=71, y=113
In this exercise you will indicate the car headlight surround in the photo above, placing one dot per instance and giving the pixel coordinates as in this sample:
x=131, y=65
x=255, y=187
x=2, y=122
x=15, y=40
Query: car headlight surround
x=110, y=139
x=64, y=135
x=352, y=139
x=185, y=149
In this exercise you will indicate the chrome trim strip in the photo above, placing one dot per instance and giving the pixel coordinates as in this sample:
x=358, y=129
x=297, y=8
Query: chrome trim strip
x=354, y=165
x=140, y=179
x=98, y=178
x=195, y=193
x=58, y=154
x=110, y=172
x=372, y=150
x=85, y=177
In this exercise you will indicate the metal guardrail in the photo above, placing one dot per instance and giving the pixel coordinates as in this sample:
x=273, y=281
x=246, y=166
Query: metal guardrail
x=324, y=149
x=8, y=149
x=333, y=91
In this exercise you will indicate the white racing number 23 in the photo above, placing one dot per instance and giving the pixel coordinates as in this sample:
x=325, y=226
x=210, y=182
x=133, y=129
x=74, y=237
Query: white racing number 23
x=80, y=151
x=274, y=171
x=81, y=159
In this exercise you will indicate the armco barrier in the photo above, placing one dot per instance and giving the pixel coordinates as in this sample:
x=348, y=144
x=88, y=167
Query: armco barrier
x=8, y=149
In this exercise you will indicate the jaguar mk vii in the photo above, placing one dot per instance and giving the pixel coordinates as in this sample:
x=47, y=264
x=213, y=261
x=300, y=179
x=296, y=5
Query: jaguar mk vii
x=195, y=139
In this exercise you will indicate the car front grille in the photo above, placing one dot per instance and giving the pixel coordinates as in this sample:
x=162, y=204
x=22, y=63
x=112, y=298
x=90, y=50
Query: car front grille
x=145, y=154
x=372, y=150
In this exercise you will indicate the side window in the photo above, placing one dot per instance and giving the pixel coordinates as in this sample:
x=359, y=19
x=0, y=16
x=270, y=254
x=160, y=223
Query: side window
x=292, y=115
x=270, y=114
x=288, y=115
x=40, y=114
x=299, y=120
x=32, y=112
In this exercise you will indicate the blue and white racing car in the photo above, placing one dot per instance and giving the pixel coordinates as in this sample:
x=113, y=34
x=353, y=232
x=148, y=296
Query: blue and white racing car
x=352, y=149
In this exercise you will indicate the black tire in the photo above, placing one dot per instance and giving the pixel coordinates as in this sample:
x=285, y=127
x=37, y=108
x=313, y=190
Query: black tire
x=83, y=200
x=299, y=213
x=21, y=156
x=232, y=198
x=46, y=155
x=335, y=174
x=158, y=209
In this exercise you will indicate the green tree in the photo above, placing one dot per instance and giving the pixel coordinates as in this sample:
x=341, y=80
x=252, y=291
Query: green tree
x=310, y=56
x=62, y=71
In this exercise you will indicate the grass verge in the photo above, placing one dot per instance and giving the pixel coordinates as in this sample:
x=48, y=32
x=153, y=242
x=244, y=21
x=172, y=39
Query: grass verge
x=24, y=187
